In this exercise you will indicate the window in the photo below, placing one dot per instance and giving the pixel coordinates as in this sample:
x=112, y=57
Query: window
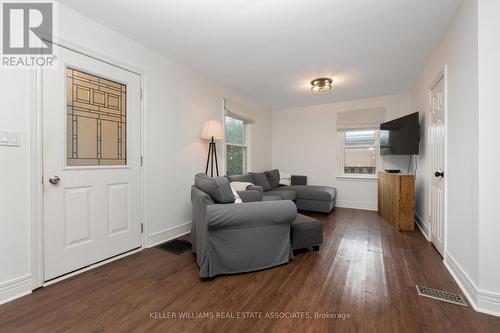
x=358, y=152
x=96, y=120
x=236, y=146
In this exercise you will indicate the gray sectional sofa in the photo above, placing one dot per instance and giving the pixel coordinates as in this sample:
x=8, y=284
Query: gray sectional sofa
x=229, y=237
x=307, y=197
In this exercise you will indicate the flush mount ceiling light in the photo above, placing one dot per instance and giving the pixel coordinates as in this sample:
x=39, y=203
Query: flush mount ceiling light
x=321, y=85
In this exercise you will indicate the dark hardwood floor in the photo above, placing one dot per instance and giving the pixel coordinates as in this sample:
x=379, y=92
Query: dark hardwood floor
x=365, y=269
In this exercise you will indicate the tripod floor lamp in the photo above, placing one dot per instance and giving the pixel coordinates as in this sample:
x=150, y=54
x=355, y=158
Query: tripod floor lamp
x=212, y=130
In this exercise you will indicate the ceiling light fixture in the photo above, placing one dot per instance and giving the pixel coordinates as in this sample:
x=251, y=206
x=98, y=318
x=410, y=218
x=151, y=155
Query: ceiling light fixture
x=321, y=85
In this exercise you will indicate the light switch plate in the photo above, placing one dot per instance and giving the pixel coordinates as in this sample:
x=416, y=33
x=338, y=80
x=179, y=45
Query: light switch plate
x=10, y=138
x=14, y=138
x=4, y=137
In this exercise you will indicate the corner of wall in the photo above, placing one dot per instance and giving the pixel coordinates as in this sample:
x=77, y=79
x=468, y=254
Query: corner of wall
x=424, y=227
x=481, y=300
x=168, y=234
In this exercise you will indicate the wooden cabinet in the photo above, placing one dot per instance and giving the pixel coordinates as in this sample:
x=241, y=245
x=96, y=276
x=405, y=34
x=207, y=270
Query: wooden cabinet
x=396, y=200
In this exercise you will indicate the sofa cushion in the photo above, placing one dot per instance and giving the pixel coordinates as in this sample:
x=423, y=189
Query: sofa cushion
x=299, y=180
x=315, y=205
x=255, y=188
x=246, y=178
x=250, y=196
x=260, y=179
x=313, y=192
x=271, y=197
x=217, y=188
x=283, y=193
x=273, y=177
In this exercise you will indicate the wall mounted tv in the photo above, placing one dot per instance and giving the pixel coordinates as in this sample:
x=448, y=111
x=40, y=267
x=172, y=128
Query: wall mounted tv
x=400, y=136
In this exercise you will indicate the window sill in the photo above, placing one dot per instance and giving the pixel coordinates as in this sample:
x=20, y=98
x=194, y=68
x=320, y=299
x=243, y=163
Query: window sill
x=358, y=177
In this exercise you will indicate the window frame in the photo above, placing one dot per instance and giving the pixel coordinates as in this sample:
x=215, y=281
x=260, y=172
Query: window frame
x=341, y=155
x=245, y=145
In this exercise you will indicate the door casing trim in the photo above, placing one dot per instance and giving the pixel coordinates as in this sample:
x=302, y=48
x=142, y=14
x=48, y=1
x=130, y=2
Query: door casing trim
x=36, y=159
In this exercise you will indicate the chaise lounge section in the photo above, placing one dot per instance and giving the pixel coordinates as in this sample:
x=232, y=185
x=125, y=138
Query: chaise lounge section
x=306, y=197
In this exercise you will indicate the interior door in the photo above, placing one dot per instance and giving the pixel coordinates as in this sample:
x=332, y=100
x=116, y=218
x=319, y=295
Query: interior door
x=437, y=144
x=91, y=154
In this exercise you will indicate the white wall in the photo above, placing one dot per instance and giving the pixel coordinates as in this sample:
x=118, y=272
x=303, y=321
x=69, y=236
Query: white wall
x=489, y=150
x=178, y=101
x=471, y=52
x=458, y=51
x=305, y=142
x=15, y=249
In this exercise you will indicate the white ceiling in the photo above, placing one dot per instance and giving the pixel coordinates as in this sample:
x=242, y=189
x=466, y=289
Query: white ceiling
x=269, y=50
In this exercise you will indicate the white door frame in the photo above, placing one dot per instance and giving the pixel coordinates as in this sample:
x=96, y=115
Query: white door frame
x=442, y=74
x=36, y=161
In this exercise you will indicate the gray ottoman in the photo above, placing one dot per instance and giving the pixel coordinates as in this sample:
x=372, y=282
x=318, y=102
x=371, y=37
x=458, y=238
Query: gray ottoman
x=306, y=233
x=315, y=198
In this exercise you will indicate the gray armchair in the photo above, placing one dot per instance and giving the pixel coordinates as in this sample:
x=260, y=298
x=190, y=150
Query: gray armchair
x=239, y=237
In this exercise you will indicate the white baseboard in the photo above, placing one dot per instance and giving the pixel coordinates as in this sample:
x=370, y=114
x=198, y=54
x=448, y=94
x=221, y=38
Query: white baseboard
x=168, y=234
x=424, y=229
x=488, y=302
x=463, y=280
x=15, y=288
x=481, y=300
x=364, y=205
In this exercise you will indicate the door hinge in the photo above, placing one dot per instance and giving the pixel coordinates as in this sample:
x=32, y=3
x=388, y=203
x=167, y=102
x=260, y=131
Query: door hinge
x=141, y=160
x=141, y=94
x=142, y=228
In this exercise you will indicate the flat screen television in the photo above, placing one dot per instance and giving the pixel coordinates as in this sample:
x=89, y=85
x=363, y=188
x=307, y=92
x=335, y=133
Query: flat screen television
x=400, y=136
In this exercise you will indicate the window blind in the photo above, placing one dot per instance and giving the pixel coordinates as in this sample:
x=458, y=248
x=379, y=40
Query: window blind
x=238, y=111
x=359, y=119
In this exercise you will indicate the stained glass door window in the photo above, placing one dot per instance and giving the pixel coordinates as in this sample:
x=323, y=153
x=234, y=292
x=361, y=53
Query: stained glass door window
x=96, y=120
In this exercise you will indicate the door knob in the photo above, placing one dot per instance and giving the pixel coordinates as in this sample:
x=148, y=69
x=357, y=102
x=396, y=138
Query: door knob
x=439, y=174
x=54, y=180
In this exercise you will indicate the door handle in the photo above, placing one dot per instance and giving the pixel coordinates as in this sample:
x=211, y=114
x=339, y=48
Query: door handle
x=439, y=174
x=54, y=180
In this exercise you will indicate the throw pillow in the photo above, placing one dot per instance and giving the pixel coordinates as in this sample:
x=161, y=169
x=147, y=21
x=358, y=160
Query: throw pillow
x=273, y=177
x=217, y=188
x=260, y=179
x=285, y=178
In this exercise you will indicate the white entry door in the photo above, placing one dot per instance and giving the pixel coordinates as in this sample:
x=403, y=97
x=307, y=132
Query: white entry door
x=91, y=157
x=437, y=144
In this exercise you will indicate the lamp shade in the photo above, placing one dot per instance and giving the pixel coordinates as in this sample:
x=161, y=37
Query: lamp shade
x=212, y=128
